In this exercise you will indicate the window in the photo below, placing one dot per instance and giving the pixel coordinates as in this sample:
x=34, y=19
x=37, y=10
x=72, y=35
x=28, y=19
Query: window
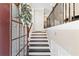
x=19, y=35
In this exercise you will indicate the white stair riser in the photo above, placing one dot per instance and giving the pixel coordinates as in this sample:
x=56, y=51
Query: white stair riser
x=38, y=42
x=38, y=39
x=38, y=36
x=39, y=53
x=39, y=33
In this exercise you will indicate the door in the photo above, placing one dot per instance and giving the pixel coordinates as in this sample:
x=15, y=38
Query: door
x=5, y=29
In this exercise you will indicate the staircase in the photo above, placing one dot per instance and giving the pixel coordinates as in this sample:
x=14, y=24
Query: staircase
x=38, y=44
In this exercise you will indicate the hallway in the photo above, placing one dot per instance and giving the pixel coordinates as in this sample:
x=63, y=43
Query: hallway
x=39, y=29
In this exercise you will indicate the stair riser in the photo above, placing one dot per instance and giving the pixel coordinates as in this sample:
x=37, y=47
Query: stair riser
x=38, y=39
x=38, y=35
x=38, y=42
x=39, y=54
x=39, y=45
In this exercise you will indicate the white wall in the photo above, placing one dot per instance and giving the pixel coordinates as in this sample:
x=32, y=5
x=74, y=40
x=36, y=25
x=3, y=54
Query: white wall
x=38, y=19
x=64, y=39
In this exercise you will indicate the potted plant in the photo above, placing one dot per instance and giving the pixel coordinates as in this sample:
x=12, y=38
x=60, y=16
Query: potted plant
x=26, y=16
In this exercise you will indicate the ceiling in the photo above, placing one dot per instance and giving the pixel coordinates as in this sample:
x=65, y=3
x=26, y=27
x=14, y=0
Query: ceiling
x=47, y=7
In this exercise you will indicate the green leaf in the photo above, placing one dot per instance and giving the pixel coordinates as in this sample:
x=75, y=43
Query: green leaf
x=25, y=15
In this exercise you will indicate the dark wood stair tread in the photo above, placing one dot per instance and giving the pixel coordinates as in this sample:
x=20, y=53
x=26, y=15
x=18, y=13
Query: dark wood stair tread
x=39, y=55
x=38, y=40
x=39, y=50
x=39, y=45
x=38, y=32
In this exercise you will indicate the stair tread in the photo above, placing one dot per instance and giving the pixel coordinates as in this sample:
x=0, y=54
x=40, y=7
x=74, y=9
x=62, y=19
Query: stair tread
x=38, y=40
x=38, y=45
x=39, y=55
x=39, y=32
